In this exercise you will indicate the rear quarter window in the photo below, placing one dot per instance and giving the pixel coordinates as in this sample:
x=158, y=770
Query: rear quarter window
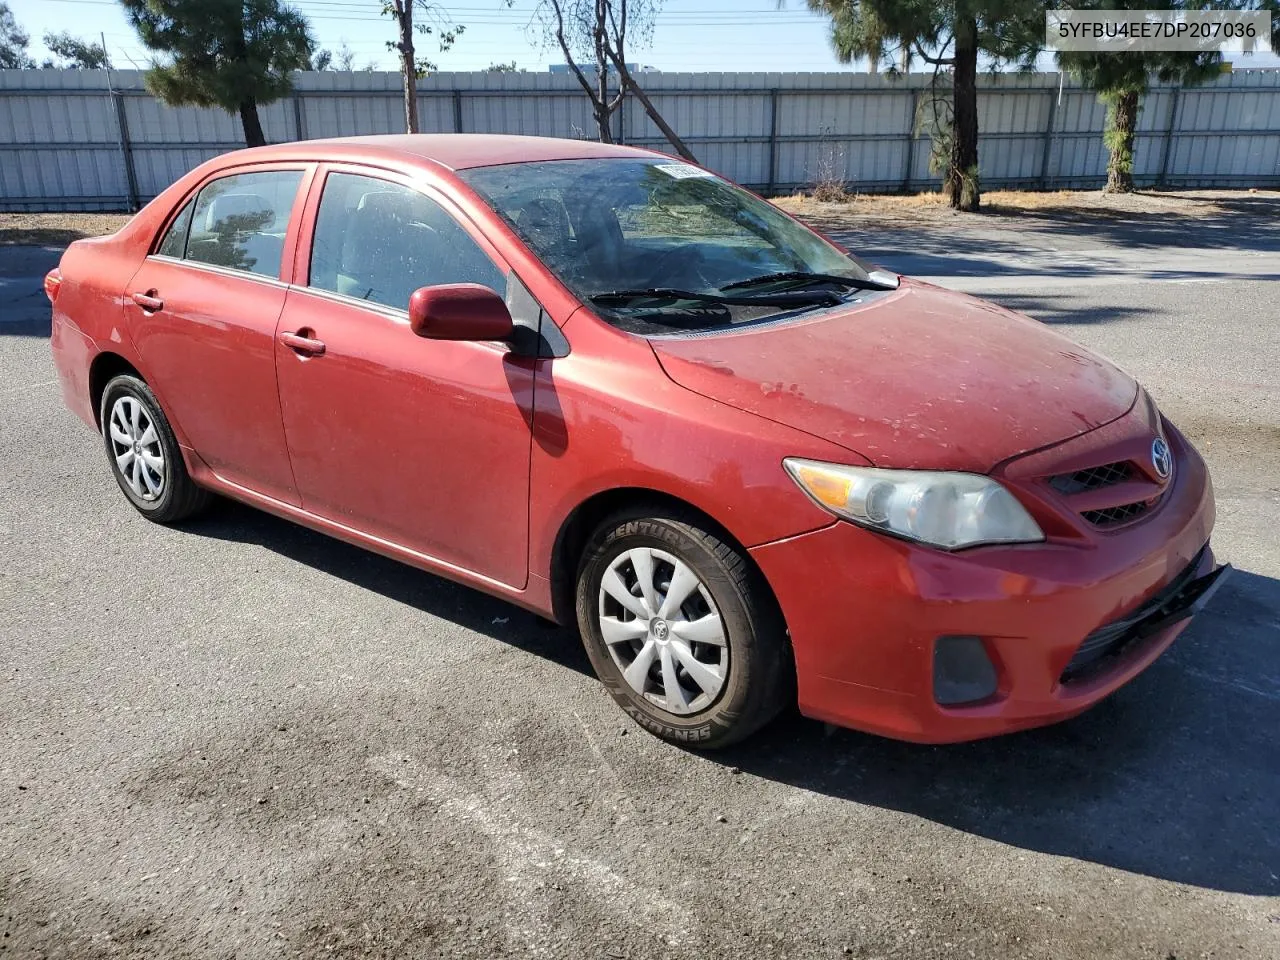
x=175, y=238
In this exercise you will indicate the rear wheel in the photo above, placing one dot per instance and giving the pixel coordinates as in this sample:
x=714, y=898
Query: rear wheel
x=144, y=453
x=680, y=629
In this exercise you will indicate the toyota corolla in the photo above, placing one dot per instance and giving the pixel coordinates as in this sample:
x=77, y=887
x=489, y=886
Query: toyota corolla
x=619, y=391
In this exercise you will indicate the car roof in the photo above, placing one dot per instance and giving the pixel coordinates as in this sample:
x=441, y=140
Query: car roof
x=455, y=151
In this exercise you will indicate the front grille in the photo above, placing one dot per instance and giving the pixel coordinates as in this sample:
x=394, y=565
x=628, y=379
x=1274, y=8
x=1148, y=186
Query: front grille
x=1094, y=478
x=1114, y=516
x=1109, y=641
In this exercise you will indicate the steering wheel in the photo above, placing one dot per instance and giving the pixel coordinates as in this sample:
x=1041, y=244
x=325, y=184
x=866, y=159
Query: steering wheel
x=685, y=262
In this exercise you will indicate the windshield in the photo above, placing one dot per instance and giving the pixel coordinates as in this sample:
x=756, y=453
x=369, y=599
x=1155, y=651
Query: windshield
x=636, y=237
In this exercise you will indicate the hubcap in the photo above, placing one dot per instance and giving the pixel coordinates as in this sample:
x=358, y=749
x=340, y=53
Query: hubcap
x=135, y=444
x=663, y=630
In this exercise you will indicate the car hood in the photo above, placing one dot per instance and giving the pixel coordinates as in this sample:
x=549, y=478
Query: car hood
x=919, y=378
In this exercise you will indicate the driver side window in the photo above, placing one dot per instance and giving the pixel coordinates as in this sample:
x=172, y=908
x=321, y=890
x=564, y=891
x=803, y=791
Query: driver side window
x=379, y=241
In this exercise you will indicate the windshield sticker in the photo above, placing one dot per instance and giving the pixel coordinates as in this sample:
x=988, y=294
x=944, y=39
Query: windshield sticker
x=682, y=171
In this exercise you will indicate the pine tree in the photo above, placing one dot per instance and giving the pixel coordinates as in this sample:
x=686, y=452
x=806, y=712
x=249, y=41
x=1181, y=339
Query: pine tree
x=233, y=54
x=944, y=33
x=1122, y=79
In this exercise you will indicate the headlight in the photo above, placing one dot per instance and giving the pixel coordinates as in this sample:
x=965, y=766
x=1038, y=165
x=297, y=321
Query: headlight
x=948, y=510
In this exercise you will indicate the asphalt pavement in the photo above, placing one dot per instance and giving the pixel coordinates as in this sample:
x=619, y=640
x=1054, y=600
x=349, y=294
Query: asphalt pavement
x=238, y=738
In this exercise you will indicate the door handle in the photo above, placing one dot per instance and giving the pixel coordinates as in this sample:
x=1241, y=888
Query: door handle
x=302, y=344
x=148, y=301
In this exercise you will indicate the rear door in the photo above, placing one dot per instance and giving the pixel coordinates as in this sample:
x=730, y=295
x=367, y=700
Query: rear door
x=422, y=443
x=202, y=311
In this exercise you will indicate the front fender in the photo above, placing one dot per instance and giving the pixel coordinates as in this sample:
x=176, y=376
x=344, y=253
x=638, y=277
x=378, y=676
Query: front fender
x=612, y=420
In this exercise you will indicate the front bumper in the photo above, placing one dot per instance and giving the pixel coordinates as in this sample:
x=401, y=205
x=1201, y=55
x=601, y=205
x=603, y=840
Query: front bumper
x=864, y=612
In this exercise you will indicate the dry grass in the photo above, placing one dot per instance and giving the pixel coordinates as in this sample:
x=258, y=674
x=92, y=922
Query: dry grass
x=56, y=229
x=930, y=207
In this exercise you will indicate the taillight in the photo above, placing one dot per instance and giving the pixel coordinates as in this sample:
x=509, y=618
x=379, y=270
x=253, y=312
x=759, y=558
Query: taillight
x=52, y=284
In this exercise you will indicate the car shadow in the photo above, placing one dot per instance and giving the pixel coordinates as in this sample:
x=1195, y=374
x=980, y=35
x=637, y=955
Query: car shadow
x=1176, y=776
x=1072, y=242
x=1223, y=223
x=432, y=594
x=934, y=251
x=1075, y=308
x=24, y=308
x=1251, y=217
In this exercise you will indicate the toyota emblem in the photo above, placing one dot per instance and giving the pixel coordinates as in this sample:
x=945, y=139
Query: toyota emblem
x=1161, y=458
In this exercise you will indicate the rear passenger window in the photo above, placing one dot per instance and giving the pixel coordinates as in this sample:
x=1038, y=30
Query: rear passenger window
x=380, y=241
x=240, y=221
x=175, y=238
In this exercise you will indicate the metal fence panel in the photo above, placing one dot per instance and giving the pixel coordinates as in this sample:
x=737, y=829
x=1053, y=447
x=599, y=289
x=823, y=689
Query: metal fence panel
x=83, y=140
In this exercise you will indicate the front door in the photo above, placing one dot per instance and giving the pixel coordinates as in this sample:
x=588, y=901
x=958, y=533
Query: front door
x=421, y=443
x=204, y=309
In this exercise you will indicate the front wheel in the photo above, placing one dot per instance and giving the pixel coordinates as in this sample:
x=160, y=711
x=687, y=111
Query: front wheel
x=680, y=629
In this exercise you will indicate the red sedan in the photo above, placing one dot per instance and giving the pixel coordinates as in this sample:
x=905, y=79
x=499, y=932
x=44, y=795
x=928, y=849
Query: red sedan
x=619, y=391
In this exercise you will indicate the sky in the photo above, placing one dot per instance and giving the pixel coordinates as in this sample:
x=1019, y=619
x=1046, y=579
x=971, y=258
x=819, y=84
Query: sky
x=747, y=35
x=688, y=35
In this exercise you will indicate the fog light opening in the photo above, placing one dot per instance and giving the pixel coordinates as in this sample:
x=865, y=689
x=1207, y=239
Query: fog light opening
x=962, y=671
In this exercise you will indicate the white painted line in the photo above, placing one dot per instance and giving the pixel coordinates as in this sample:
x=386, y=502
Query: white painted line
x=530, y=857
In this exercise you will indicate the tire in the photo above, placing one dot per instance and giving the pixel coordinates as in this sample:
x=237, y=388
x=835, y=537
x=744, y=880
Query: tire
x=753, y=665
x=144, y=454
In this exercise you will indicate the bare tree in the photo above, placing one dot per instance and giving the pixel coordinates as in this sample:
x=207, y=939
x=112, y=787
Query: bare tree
x=345, y=57
x=596, y=31
x=402, y=11
x=577, y=28
x=617, y=55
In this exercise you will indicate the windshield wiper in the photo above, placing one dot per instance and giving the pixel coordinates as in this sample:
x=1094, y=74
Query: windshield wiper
x=810, y=279
x=783, y=298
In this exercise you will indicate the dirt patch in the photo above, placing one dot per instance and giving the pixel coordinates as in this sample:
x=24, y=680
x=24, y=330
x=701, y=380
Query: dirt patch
x=56, y=229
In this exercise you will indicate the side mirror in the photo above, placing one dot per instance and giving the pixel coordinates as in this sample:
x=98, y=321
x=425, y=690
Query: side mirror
x=459, y=311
